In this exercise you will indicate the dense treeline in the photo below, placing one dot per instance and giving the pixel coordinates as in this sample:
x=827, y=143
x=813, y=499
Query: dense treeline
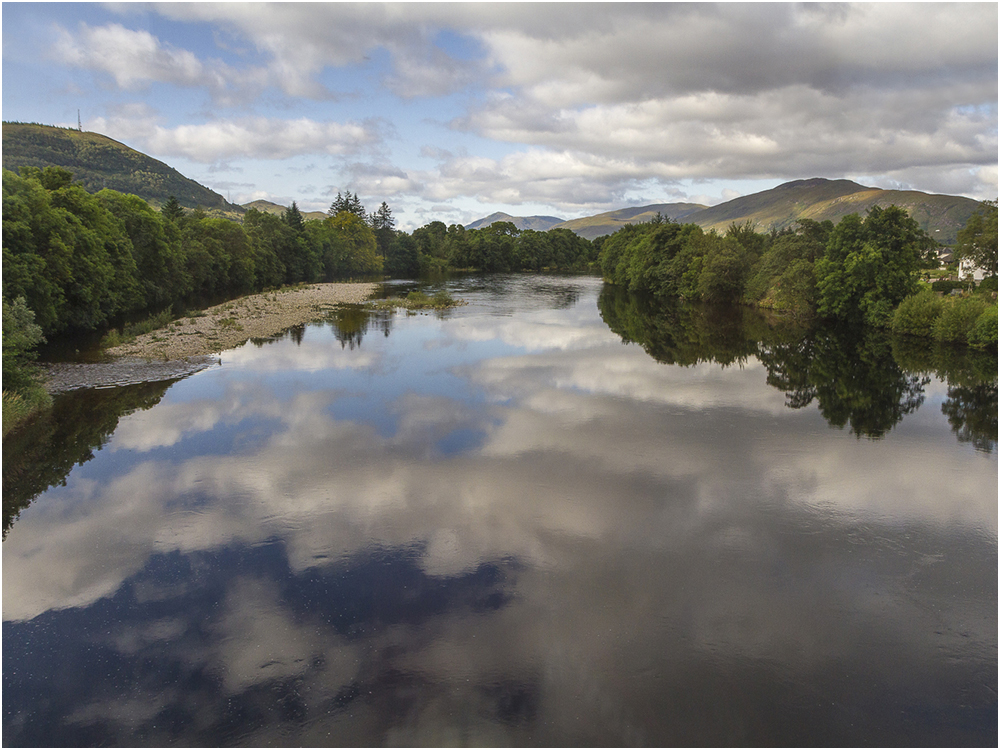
x=865, y=270
x=80, y=261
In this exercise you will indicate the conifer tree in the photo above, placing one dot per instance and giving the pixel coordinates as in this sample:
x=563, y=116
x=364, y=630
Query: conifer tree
x=172, y=210
x=293, y=218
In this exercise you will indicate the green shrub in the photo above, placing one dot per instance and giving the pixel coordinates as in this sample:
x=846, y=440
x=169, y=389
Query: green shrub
x=131, y=331
x=957, y=319
x=443, y=299
x=987, y=285
x=983, y=334
x=21, y=336
x=19, y=406
x=917, y=313
x=944, y=286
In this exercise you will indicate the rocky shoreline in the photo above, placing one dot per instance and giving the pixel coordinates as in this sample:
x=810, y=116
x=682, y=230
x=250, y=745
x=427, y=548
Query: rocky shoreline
x=232, y=323
x=190, y=343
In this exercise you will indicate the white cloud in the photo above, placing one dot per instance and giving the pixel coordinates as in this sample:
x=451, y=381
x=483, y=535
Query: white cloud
x=248, y=138
x=595, y=100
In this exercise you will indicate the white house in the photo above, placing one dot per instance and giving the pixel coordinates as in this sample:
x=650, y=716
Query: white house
x=967, y=268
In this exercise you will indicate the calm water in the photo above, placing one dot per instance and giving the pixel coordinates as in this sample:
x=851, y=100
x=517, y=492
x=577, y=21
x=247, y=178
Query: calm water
x=555, y=516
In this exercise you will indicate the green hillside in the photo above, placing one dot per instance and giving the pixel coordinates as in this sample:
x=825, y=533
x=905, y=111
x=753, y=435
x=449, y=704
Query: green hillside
x=819, y=199
x=941, y=216
x=269, y=207
x=97, y=162
x=611, y=221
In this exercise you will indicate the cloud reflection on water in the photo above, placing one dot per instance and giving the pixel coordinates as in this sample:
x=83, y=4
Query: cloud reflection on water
x=659, y=519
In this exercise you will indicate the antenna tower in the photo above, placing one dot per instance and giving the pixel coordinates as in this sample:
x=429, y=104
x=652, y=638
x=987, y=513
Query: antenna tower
x=79, y=122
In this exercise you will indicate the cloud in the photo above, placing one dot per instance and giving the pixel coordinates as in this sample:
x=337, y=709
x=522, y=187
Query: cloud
x=597, y=103
x=135, y=59
x=248, y=138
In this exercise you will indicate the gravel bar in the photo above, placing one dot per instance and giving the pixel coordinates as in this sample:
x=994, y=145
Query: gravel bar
x=190, y=344
x=232, y=323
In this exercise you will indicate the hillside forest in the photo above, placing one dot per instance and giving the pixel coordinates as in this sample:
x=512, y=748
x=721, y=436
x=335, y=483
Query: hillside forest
x=79, y=261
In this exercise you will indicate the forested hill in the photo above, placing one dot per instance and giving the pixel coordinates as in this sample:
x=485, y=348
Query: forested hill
x=97, y=162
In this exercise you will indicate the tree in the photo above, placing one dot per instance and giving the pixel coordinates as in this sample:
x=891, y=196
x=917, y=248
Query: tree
x=64, y=252
x=20, y=337
x=382, y=223
x=870, y=266
x=172, y=210
x=293, y=218
x=346, y=246
x=977, y=241
x=349, y=203
x=159, y=261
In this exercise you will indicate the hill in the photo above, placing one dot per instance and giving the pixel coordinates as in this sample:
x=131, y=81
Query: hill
x=819, y=199
x=97, y=162
x=269, y=207
x=611, y=221
x=537, y=223
x=941, y=216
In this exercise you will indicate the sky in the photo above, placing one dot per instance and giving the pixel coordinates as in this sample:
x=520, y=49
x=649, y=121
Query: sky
x=452, y=111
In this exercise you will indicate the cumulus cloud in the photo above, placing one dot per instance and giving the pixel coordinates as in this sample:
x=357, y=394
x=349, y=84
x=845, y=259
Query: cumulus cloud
x=250, y=138
x=595, y=101
x=135, y=59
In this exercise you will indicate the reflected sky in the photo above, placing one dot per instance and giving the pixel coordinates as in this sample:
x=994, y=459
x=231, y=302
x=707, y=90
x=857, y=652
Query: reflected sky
x=502, y=525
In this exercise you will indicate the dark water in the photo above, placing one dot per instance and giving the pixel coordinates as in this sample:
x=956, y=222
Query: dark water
x=555, y=516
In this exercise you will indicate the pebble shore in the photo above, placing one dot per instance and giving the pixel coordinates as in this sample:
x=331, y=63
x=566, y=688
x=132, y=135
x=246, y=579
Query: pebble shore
x=232, y=323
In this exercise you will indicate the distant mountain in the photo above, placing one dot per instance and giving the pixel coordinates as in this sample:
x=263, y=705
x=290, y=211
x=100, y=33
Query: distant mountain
x=537, y=223
x=610, y=222
x=941, y=216
x=268, y=207
x=97, y=162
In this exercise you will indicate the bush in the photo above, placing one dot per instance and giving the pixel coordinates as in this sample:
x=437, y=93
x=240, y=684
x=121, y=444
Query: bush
x=21, y=335
x=944, y=286
x=131, y=331
x=958, y=318
x=917, y=313
x=983, y=334
x=19, y=406
x=987, y=285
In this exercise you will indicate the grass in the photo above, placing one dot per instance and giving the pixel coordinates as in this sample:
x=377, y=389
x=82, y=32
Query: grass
x=20, y=406
x=418, y=301
x=130, y=332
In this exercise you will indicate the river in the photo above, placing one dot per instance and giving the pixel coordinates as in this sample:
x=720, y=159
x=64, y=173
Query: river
x=557, y=515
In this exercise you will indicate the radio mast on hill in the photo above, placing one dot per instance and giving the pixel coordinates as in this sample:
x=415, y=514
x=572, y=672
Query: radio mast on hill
x=79, y=122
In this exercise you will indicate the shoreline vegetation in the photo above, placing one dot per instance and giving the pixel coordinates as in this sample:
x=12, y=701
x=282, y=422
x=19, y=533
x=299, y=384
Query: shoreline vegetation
x=417, y=301
x=77, y=262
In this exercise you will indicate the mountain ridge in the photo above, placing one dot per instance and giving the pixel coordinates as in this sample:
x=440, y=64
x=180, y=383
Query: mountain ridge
x=816, y=198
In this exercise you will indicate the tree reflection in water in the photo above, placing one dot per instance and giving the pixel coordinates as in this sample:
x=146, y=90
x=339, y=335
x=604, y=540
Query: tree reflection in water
x=863, y=379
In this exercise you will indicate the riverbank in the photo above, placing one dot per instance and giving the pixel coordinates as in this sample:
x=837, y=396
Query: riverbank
x=232, y=323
